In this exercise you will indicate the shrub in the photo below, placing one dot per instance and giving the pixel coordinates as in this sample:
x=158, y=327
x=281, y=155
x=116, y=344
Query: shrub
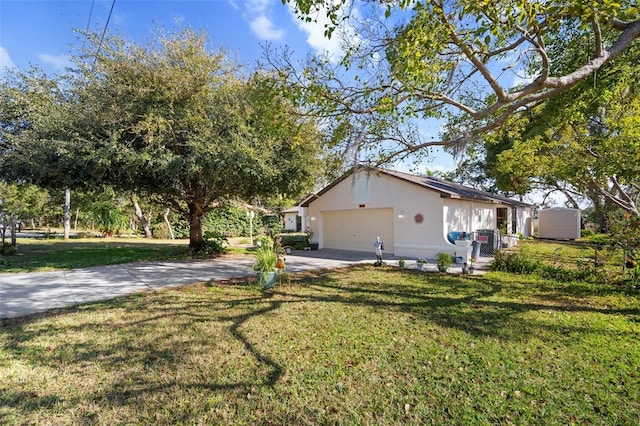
x=515, y=262
x=109, y=217
x=586, y=233
x=297, y=241
x=8, y=250
x=523, y=263
x=215, y=243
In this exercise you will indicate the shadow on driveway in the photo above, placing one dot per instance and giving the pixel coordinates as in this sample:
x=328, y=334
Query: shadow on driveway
x=345, y=255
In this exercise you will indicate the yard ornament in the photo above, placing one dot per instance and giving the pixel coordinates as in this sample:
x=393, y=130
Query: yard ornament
x=379, y=245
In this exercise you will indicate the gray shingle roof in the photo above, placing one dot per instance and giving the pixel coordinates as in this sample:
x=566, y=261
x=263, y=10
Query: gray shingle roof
x=445, y=188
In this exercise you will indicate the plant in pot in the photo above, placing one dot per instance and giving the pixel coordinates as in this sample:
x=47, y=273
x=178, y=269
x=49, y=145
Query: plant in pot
x=313, y=245
x=443, y=261
x=266, y=261
x=420, y=263
x=401, y=263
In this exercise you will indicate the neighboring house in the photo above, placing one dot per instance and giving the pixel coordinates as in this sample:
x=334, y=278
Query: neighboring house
x=291, y=219
x=412, y=214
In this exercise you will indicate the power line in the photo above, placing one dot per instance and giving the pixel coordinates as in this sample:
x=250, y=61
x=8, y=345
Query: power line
x=104, y=31
x=93, y=2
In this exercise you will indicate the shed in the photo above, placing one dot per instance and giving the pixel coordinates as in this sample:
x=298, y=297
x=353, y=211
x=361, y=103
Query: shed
x=559, y=223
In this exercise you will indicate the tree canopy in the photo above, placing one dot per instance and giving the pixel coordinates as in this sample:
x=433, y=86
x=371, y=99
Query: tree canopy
x=172, y=118
x=473, y=62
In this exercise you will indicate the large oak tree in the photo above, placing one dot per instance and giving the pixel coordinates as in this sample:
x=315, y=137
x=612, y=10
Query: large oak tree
x=171, y=118
x=473, y=62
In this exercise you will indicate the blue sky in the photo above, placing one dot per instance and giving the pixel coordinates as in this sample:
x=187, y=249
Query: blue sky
x=41, y=32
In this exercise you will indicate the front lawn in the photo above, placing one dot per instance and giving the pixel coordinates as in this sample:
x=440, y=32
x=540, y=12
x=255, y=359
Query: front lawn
x=53, y=254
x=355, y=346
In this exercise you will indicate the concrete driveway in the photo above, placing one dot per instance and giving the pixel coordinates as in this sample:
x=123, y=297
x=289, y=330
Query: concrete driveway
x=28, y=293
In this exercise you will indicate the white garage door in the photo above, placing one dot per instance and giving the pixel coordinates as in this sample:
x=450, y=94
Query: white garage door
x=357, y=229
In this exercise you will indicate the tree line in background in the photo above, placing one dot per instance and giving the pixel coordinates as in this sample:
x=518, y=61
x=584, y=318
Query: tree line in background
x=107, y=213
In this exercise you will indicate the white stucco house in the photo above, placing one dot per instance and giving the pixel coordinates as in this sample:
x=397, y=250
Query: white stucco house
x=414, y=215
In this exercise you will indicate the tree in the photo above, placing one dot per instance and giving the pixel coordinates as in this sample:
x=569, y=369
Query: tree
x=587, y=139
x=145, y=221
x=473, y=62
x=19, y=203
x=583, y=143
x=170, y=119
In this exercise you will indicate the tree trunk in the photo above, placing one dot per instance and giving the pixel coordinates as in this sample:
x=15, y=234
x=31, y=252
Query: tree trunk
x=67, y=216
x=196, y=241
x=144, y=222
x=166, y=220
x=13, y=232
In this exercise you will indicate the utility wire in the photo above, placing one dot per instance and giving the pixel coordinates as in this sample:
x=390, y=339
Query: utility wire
x=93, y=2
x=95, y=59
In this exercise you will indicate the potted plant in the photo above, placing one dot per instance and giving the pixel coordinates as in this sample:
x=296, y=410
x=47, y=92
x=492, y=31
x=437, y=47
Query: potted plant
x=265, y=265
x=471, y=267
x=420, y=263
x=443, y=261
x=401, y=263
x=313, y=245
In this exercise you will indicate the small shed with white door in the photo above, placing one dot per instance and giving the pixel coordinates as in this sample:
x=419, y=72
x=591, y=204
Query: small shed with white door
x=559, y=223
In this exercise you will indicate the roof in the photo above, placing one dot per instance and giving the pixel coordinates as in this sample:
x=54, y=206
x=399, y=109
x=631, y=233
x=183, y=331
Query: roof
x=445, y=188
x=294, y=209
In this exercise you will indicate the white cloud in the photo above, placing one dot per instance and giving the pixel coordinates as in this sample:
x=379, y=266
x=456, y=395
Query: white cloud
x=59, y=62
x=258, y=6
x=264, y=29
x=5, y=59
x=258, y=13
x=315, y=33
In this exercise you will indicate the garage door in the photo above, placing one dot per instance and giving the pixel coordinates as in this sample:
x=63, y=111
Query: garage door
x=358, y=229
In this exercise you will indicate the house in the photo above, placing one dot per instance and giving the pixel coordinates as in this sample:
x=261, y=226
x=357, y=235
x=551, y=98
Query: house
x=291, y=219
x=416, y=216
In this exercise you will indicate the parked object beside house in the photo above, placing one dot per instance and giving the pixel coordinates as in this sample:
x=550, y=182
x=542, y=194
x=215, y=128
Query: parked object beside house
x=559, y=223
x=419, y=216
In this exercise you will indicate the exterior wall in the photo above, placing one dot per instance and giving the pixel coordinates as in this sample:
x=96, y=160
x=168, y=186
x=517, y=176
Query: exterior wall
x=379, y=191
x=559, y=223
x=525, y=221
x=290, y=221
x=464, y=215
x=468, y=216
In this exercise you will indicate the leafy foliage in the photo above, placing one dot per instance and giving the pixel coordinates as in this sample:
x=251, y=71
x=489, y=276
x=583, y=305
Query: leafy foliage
x=295, y=240
x=170, y=118
x=266, y=258
x=215, y=243
x=475, y=63
x=110, y=218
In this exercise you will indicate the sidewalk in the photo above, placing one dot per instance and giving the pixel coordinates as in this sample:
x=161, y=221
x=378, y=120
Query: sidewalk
x=28, y=293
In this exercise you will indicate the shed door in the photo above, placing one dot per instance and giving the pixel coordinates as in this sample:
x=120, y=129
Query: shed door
x=357, y=229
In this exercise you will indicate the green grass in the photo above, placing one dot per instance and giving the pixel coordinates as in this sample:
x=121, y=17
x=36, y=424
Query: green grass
x=353, y=346
x=45, y=255
x=55, y=254
x=581, y=255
